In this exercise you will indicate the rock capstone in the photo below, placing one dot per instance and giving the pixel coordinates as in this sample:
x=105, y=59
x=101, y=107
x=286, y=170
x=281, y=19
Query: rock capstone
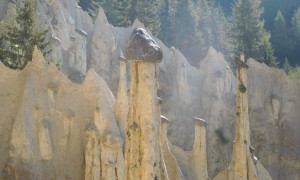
x=142, y=47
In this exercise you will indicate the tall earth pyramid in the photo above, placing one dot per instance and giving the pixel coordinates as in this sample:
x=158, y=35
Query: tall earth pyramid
x=244, y=165
x=142, y=156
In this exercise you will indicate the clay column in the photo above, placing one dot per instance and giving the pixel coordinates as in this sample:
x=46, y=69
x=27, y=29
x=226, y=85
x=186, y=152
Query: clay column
x=199, y=160
x=162, y=166
x=92, y=154
x=121, y=105
x=142, y=153
x=164, y=130
x=240, y=144
x=242, y=166
x=172, y=169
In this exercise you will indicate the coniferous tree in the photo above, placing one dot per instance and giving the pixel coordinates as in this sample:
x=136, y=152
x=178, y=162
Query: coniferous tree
x=20, y=36
x=93, y=8
x=180, y=27
x=206, y=20
x=184, y=24
x=193, y=26
x=281, y=39
x=286, y=66
x=265, y=52
x=187, y=34
x=165, y=21
x=118, y=12
x=214, y=26
x=248, y=33
x=294, y=73
x=148, y=12
x=123, y=13
x=221, y=41
x=168, y=14
x=296, y=24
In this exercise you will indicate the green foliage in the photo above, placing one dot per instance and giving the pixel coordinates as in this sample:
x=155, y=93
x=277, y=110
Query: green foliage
x=296, y=24
x=294, y=73
x=286, y=66
x=84, y=4
x=186, y=31
x=214, y=26
x=183, y=28
x=118, y=12
x=193, y=26
x=148, y=12
x=123, y=13
x=248, y=33
x=93, y=8
x=20, y=36
x=281, y=37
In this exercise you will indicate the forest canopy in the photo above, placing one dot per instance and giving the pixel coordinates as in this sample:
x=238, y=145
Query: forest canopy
x=268, y=31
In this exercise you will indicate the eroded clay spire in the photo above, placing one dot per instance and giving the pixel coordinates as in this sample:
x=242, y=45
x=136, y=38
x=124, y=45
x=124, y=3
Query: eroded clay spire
x=121, y=105
x=199, y=156
x=242, y=166
x=142, y=153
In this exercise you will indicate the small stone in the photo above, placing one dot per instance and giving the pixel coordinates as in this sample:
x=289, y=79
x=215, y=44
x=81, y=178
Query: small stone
x=159, y=100
x=81, y=32
x=172, y=48
x=121, y=57
x=55, y=40
x=251, y=149
x=164, y=119
x=200, y=121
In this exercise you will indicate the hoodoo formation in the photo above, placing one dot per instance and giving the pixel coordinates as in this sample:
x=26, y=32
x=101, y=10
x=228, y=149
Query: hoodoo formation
x=242, y=166
x=121, y=105
x=172, y=168
x=61, y=120
x=199, y=160
x=57, y=127
x=142, y=154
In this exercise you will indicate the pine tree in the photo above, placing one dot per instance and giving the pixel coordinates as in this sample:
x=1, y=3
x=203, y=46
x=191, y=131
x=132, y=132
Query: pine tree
x=281, y=36
x=181, y=28
x=214, y=24
x=296, y=24
x=118, y=12
x=248, y=33
x=168, y=20
x=20, y=36
x=286, y=66
x=265, y=52
x=294, y=73
x=184, y=24
x=148, y=12
x=93, y=8
x=123, y=13
x=206, y=20
x=221, y=40
x=84, y=4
